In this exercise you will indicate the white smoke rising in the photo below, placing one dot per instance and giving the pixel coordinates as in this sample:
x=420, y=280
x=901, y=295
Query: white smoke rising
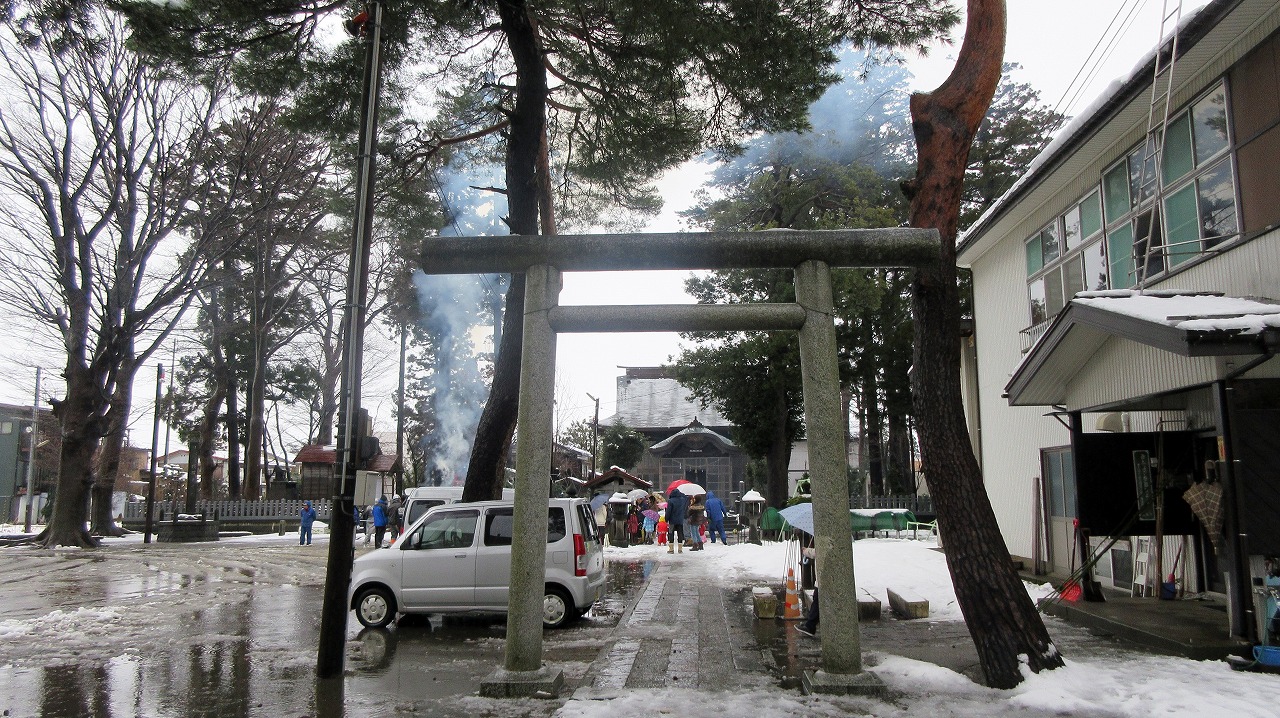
x=456, y=308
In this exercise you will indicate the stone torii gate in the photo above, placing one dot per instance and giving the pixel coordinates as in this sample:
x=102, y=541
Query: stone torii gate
x=812, y=254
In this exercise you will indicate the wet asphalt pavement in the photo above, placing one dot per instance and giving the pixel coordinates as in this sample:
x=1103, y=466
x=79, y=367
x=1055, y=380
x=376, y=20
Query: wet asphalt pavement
x=230, y=629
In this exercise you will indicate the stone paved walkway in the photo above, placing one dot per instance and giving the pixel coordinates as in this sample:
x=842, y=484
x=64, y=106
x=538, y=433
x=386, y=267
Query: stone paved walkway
x=685, y=630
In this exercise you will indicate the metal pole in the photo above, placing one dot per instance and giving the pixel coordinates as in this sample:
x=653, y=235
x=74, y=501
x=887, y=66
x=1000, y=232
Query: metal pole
x=155, y=439
x=595, y=433
x=404, y=337
x=31, y=457
x=168, y=410
x=333, y=614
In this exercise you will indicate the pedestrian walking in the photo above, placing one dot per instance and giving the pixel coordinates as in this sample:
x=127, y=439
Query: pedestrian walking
x=677, y=509
x=394, y=521
x=650, y=523
x=696, y=514
x=379, y=521
x=715, y=517
x=307, y=517
x=662, y=531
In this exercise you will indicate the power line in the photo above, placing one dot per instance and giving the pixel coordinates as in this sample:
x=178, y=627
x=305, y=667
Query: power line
x=1094, y=63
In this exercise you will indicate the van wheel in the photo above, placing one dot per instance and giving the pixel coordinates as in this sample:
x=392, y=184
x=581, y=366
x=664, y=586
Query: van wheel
x=375, y=607
x=557, y=608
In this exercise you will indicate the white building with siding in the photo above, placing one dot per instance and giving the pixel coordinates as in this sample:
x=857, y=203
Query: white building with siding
x=1125, y=294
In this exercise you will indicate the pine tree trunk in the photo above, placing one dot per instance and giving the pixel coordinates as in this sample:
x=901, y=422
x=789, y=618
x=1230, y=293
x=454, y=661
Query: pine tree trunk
x=779, y=456
x=256, y=408
x=233, y=433
x=485, y=472
x=1000, y=615
x=204, y=442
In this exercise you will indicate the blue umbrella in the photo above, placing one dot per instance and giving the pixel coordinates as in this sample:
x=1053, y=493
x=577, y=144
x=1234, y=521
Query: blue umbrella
x=799, y=516
x=599, y=500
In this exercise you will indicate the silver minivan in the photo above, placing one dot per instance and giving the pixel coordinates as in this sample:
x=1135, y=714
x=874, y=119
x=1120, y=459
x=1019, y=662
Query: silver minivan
x=457, y=559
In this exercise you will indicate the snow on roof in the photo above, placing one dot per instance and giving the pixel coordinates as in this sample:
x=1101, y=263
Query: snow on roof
x=694, y=429
x=660, y=403
x=1188, y=310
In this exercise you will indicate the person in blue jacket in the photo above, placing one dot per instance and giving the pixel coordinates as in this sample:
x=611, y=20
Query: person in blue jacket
x=306, y=516
x=379, y=521
x=715, y=517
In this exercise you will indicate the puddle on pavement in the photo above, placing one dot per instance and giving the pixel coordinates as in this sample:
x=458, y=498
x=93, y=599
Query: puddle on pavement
x=254, y=655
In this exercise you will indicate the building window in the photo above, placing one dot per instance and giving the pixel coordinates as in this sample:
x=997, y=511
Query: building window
x=1196, y=209
x=1064, y=258
x=1059, y=470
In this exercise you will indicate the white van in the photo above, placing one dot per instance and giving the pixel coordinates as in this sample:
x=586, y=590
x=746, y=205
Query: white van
x=418, y=500
x=457, y=559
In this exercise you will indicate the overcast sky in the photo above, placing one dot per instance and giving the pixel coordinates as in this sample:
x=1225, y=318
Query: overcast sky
x=1054, y=42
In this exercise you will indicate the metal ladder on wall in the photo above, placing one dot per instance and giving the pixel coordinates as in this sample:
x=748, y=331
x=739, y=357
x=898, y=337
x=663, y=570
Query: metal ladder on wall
x=1157, y=124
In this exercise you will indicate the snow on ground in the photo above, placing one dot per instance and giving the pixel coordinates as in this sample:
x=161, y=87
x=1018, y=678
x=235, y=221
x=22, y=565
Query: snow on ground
x=1103, y=684
x=65, y=625
x=878, y=564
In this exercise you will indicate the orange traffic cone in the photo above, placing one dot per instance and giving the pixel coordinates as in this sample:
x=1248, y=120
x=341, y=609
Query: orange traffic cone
x=791, y=611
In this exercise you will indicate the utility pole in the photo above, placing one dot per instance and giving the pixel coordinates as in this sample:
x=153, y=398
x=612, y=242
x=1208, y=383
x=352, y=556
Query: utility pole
x=155, y=445
x=31, y=456
x=333, y=613
x=595, y=433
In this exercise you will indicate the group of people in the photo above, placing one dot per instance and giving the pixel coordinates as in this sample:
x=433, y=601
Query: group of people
x=382, y=517
x=690, y=520
x=686, y=522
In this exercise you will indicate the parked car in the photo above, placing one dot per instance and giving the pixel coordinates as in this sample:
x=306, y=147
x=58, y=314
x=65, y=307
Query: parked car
x=457, y=559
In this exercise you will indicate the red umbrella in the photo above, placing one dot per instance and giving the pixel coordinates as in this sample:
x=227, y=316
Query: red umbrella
x=675, y=484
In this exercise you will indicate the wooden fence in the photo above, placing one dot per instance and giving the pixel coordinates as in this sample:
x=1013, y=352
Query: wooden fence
x=918, y=505
x=239, y=511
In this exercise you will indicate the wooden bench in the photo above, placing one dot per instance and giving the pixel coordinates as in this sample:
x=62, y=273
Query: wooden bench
x=907, y=604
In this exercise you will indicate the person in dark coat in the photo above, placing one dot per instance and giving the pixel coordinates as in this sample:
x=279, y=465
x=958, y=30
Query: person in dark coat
x=693, y=520
x=307, y=517
x=715, y=517
x=677, y=509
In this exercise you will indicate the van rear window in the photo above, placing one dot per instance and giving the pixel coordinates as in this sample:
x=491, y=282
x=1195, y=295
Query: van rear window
x=419, y=507
x=499, y=526
x=587, y=520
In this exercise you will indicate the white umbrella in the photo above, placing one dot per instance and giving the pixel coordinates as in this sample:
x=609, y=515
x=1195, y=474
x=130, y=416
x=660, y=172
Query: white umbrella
x=637, y=494
x=691, y=489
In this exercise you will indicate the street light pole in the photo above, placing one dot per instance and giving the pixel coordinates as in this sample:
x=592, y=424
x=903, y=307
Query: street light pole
x=31, y=456
x=155, y=438
x=595, y=433
x=333, y=612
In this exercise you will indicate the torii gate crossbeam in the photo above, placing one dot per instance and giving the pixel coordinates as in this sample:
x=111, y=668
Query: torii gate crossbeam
x=812, y=254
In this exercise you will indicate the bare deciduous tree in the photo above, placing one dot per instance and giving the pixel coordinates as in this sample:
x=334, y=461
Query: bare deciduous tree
x=98, y=155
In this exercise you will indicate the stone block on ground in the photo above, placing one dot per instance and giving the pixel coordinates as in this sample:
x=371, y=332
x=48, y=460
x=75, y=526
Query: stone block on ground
x=907, y=604
x=764, y=602
x=869, y=607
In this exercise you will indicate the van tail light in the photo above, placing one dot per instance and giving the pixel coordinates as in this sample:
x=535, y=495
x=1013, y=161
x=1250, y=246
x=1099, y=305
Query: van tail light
x=579, y=555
